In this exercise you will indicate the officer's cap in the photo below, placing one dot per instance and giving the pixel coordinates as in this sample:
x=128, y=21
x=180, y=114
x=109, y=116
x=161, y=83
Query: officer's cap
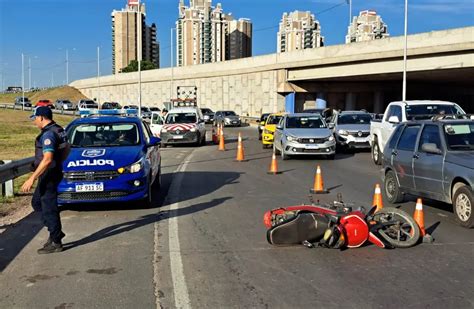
x=42, y=111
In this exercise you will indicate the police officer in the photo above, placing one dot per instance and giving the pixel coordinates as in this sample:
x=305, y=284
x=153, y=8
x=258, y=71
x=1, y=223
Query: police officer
x=51, y=149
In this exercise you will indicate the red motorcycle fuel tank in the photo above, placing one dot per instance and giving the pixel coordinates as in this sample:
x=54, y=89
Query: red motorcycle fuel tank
x=355, y=229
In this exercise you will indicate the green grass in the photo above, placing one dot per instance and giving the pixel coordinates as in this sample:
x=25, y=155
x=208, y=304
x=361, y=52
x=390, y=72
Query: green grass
x=52, y=94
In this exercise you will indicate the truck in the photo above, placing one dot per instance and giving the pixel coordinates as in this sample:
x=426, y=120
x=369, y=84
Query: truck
x=403, y=111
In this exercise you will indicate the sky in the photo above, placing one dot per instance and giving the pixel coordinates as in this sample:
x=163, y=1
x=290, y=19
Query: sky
x=44, y=30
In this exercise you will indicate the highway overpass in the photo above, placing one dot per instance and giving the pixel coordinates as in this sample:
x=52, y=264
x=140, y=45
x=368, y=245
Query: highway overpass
x=351, y=76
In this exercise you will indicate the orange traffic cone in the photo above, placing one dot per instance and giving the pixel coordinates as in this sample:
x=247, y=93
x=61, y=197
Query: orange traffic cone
x=240, y=150
x=318, y=183
x=377, y=201
x=221, y=141
x=419, y=216
x=273, y=166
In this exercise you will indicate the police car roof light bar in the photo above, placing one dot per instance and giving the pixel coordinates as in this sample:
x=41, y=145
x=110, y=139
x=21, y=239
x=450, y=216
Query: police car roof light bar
x=108, y=112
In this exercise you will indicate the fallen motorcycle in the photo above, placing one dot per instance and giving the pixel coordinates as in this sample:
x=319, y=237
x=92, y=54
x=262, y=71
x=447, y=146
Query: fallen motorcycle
x=339, y=226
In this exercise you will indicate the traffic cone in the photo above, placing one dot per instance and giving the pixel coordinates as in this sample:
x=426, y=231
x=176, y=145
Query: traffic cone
x=221, y=141
x=419, y=216
x=240, y=150
x=377, y=201
x=215, y=136
x=273, y=166
x=318, y=186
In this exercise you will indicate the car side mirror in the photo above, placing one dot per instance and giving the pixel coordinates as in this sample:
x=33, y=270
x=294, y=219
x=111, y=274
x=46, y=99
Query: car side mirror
x=331, y=125
x=154, y=141
x=393, y=119
x=279, y=127
x=262, y=123
x=431, y=148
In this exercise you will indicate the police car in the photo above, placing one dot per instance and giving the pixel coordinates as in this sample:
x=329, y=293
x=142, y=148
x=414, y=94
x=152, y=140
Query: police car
x=184, y=125
x=113, y=158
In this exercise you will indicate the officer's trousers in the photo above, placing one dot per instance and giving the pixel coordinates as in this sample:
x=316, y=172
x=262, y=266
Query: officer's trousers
x=45, y=201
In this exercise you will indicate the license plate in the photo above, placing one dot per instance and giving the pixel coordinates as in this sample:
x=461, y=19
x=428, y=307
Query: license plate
x=312, y=146
x=234, y=121
x=178, y=137
x=90, y=187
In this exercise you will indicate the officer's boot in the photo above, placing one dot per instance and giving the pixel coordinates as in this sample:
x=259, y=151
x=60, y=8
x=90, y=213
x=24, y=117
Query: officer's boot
x=50, y=240
x=51, y=248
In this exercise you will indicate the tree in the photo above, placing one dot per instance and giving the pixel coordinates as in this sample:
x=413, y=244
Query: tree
x=133, y=66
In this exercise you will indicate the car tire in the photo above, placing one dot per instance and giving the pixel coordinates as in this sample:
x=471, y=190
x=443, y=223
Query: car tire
x=376, y=155
x=331, y=156
x=147, y=202
x=391, y=188
x=157, y=182
x=463, y=204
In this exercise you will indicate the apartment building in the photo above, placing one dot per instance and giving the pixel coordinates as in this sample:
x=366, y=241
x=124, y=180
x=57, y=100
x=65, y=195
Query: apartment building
x=298, y=30
x=366, y=27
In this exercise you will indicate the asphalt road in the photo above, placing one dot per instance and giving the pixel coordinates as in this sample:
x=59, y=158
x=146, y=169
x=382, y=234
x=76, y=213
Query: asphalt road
x=204, y=245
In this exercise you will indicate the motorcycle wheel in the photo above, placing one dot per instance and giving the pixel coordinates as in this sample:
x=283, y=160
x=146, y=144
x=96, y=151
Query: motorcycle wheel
x=398, y=228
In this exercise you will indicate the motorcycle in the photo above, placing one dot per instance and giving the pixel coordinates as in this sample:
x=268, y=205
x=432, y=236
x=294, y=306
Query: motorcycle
x=340, y=225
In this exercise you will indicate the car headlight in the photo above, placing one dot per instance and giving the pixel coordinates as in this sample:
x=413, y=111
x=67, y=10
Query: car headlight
x=331, y=138
x=192, y=130
x=343, y=132
x=291, y=138
x=164, y=130
x=133, y=168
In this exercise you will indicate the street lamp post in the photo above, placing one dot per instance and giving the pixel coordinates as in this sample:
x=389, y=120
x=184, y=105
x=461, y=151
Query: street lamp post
x=139, y=57
x=171, y=63
x=98, y=75
x=67, y=67
x=23, y=76
x=404, y=91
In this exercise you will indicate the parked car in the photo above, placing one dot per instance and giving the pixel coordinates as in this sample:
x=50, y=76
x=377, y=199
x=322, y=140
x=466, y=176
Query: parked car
x=261, y=124
x=85, y=104
x=325, y=112
x=130, y=107
x=208, y=115
x=433, y=159
x=113, y=159
x=146, y=113
x=269, y=129
x=351, y=129
x=397, y=112
x=304, y=134
x=155, y=109
x=227, y=118
x=111, y=105
x=64, y=104
x=45, y=102
x=23, y=101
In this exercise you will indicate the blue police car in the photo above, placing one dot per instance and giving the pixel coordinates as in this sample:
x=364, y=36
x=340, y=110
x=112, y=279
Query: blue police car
x=113, y=158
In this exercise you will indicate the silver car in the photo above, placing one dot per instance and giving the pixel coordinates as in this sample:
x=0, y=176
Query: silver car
x=227, y=118
x=304, y=134
x=63, y=104
x=433, y=159
x=351, y=129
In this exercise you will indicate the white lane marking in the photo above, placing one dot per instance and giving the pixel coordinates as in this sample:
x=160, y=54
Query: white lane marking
x=180, y=289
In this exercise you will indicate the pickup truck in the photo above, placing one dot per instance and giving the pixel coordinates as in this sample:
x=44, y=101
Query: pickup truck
x=398, y=112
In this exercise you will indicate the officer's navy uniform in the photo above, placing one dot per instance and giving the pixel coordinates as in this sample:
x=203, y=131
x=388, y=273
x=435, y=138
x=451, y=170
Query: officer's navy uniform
x=51, y=139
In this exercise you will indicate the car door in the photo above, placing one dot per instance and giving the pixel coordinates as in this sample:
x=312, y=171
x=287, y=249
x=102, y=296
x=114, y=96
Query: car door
x=152, y=153
x=402, y=156
x=428, y=167
x=388, y=127
x=279, y=133
x=156, y=124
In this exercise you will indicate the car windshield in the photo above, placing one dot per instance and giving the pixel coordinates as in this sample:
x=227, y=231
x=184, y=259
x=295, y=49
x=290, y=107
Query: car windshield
x=460, y=136
x=354, y=119
x=264, y=117
x=305, y=122
x=154, y=109
x=66, y=102
x=103, y=135
x=429, y=110
x=181, y=118
x=228, y=113
x=273, y=119
x=206, y=110
x=145, y=109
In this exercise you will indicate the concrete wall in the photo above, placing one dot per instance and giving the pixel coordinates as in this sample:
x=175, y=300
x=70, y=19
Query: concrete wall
x=259, y=84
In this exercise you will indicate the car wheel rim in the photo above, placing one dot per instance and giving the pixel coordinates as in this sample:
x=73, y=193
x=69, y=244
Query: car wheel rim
x=390, y=187
x=376, y=153
x=463, y=207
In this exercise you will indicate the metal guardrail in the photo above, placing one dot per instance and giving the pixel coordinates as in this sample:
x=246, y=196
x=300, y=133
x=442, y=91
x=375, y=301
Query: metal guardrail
x=15, y=169
x=55, y=111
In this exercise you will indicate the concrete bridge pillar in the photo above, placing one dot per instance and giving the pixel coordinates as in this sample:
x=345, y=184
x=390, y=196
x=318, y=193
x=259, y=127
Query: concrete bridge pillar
x=321, y=100
x=350, y=101
x=378, y=102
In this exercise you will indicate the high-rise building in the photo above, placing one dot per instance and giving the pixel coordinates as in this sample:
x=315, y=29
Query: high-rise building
x=125, y=34
x=298, y=30
x=366, y=27
x=206, y=34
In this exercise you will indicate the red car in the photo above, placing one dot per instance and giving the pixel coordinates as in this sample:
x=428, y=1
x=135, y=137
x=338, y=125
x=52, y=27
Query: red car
x=47, y=103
